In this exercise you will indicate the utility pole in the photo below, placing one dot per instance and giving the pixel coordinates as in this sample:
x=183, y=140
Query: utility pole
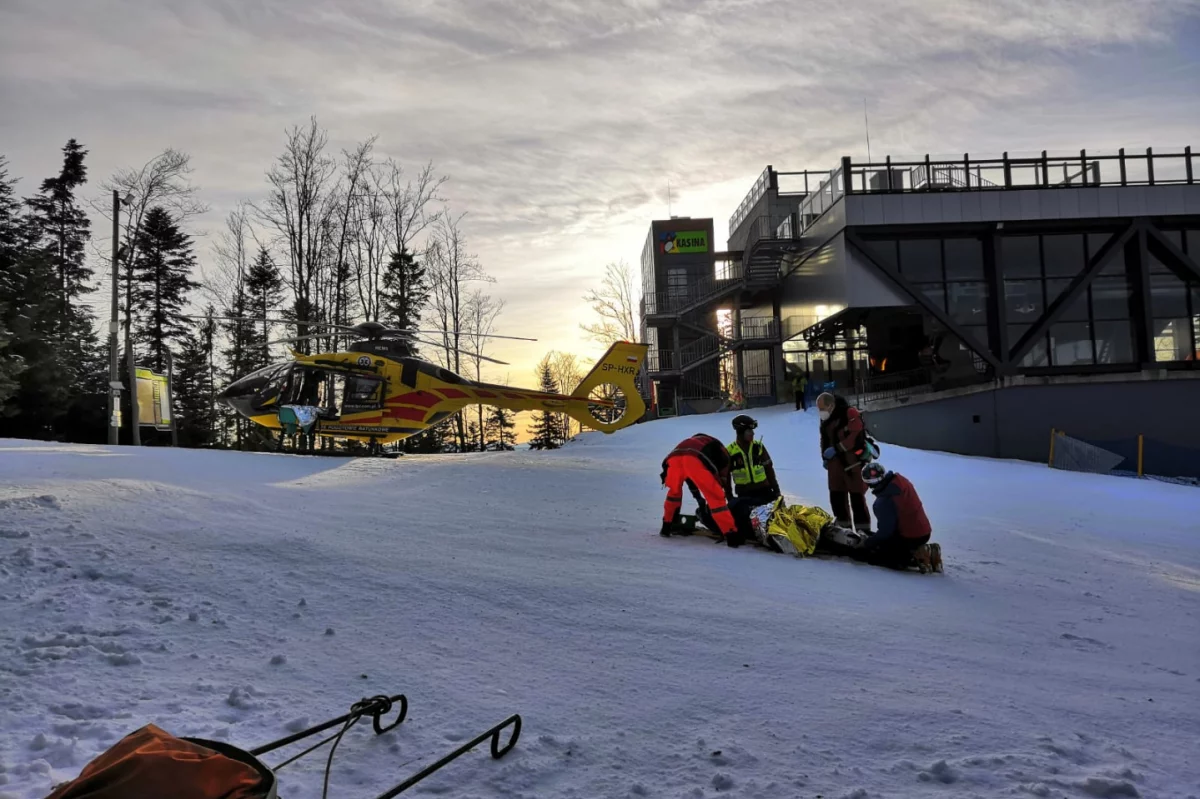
x=114, y=385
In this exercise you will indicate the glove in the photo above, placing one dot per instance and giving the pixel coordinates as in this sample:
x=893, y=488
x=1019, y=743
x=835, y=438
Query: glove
x=829, y=454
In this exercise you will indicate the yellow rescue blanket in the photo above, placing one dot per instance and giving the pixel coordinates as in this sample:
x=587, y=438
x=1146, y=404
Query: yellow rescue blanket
x=792, y=529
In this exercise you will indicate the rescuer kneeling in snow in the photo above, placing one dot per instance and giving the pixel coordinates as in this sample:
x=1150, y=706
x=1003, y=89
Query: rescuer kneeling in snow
x=703, y=463
x=902, y=539
x=752, y=470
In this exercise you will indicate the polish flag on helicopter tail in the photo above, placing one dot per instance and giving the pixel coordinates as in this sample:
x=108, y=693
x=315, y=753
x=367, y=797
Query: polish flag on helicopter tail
x=631, y=358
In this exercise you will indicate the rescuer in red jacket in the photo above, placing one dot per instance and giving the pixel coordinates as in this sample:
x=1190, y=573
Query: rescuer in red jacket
x=704, y=464
x=904, y=529
x=843, y=437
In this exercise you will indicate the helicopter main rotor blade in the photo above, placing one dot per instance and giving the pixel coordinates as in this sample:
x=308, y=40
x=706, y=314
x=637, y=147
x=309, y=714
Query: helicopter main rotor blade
x=462, y=352
x=297, y=338
x=464, y=334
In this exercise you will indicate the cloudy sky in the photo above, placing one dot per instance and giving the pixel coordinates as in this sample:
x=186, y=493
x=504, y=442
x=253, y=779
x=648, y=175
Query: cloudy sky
x=560, y=124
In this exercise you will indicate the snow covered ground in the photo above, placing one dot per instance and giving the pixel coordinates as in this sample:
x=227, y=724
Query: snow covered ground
x=241, y=596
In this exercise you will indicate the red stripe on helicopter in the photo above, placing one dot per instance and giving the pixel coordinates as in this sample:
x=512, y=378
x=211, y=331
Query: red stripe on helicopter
x=423, y=399
x=410, y=414
x=485, y=394
x=453, y=393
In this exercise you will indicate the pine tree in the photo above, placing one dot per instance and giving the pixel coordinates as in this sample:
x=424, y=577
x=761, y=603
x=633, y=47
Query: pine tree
x=164, y=263
x=51, y=349
x=264, y=293
x=405, y=291
x=12, y=242
x=193, y=393
x=65, y=230
x=545, y=431
x=499, y=426
x=474, y=441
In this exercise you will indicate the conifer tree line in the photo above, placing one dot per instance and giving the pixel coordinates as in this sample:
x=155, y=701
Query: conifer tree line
x=335, y=238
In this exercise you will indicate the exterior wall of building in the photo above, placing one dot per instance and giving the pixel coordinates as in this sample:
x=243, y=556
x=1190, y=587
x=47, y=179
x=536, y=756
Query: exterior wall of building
x=1015, y=421
x=942, y=208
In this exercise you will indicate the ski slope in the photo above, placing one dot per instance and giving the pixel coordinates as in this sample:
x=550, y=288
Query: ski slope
x=241, y=596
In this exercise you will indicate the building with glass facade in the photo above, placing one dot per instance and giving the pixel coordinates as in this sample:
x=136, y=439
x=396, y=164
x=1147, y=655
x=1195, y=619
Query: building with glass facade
x=970, y=304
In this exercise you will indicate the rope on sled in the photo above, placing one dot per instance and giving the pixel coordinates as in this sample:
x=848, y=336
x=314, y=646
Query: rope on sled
x=356, y=710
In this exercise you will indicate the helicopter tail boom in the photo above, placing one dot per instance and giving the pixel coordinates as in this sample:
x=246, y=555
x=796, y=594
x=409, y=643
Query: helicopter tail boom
x=616, y=370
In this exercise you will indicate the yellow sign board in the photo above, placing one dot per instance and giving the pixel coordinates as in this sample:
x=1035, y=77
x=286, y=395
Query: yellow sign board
x=154, y=400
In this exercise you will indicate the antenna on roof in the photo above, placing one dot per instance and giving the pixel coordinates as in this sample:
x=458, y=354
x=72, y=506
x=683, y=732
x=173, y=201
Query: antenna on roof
x=867, y=124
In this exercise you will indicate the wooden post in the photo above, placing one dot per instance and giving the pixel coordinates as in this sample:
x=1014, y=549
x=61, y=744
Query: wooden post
x=1141, y=457
x=1053, y=433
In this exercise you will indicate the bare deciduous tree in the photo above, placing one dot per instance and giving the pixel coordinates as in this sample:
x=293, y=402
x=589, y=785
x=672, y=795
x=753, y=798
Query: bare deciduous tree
x=614, y=302
x=162, y=181
x=567, y=373
x=481, y=312
x=298, y=208
x=451, y=268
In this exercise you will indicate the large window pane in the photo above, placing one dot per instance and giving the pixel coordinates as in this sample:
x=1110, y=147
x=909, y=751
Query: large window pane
x=1063, y=255
x=1019, y=257
x=1037, y=354
x=1157, y=267
x=1071, y=343
x=1193, y=244
x=936, y=292
x=1117, y=264
x=1173, y=339
x=964, y=259
x=1096, y=242
x=1112, y=298
x=967, y=302
x=921, y=259
x=977, y=335
x=883, y=250
x=1023, y=301
x=1114, y=342
x=1168, y=296
x=1077, y=311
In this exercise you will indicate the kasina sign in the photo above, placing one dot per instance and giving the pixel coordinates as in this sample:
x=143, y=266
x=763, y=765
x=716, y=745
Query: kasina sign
x=684, y=241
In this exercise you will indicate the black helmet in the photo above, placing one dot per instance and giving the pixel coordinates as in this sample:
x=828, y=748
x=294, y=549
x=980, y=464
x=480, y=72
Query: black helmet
x=874, y=473
x=743, y=422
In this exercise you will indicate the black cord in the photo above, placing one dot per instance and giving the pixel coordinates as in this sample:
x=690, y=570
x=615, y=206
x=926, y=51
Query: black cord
x=358, y=708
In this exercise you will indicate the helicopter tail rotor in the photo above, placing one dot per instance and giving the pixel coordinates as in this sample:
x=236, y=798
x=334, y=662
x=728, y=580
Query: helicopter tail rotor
x=614, y=400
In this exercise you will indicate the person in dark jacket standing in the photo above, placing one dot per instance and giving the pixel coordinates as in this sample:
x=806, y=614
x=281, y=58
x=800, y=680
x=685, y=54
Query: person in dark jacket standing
x=843, y=437
x=704, y=464
x=904, y=530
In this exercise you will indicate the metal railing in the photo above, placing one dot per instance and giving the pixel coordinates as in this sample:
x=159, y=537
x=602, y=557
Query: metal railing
x=759, y=385
x=756, y=193
x=1170, y=168
x=708, y=287
x=758, y=329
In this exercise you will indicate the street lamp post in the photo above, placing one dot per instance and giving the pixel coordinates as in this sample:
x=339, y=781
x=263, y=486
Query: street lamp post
x=114, y=385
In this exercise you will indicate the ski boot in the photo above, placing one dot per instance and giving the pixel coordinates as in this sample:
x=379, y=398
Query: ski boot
x=935, y=557
x=923, y=559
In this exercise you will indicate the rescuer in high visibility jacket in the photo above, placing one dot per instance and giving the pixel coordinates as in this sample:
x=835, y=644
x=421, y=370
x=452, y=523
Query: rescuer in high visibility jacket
x=702, y=462
x=751, y=470
x=904, y=529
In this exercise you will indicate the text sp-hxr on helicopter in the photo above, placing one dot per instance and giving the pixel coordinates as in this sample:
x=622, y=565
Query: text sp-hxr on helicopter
x=380, y=392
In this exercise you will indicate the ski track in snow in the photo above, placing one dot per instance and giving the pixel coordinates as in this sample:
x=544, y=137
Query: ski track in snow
x=240, y=597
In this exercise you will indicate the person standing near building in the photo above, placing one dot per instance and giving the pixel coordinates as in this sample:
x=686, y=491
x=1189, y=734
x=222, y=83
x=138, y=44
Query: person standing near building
x=752, y=472
x=843, y=439
x=800, y=385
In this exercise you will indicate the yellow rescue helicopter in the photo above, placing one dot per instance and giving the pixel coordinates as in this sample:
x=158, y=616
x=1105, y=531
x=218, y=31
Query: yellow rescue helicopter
x=380, y=392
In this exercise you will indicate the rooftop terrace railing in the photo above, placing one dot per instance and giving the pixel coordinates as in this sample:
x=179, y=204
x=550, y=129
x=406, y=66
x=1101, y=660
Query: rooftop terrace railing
x=953, y=173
